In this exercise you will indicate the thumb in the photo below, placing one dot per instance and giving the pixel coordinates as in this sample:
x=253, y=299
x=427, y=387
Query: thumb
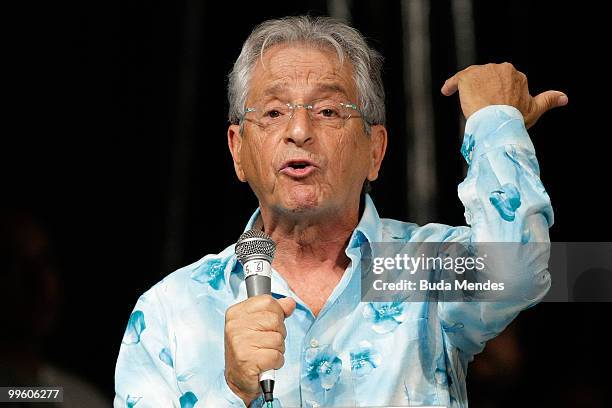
x=288, y=305
x=548, y=100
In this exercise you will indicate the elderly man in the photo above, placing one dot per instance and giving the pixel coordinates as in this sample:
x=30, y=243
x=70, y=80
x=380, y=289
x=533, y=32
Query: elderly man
x=308, y=134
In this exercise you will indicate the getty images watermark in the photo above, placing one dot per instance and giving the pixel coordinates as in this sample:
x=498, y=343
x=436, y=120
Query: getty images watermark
x=485, y=271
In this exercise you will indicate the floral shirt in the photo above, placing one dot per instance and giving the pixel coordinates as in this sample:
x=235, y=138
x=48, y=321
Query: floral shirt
x=353, y=353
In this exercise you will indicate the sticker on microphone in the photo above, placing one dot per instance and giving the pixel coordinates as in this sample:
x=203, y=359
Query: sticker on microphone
x=257, y=267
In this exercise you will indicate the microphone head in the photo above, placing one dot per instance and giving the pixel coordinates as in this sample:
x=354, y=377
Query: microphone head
x=254, y=244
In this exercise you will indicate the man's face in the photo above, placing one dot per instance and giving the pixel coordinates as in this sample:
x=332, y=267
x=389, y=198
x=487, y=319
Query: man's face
x=300, y=167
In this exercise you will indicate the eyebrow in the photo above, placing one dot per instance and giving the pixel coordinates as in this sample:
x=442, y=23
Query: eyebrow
x=327, y=87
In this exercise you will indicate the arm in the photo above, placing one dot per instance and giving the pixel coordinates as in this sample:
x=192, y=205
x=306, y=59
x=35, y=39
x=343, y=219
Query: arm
x=503, y=196
x=504, y=201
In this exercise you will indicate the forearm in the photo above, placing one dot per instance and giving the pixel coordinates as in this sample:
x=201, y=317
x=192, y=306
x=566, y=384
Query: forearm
x=509, y=213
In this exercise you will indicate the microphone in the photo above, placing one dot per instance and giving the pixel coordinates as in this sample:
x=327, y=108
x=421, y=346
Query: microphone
x=255, y=251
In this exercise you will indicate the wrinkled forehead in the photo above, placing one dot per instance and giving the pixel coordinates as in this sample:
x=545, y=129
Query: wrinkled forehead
x=301, y=71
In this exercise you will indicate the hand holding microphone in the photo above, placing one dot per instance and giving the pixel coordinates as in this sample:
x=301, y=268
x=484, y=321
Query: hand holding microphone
x=254, y=329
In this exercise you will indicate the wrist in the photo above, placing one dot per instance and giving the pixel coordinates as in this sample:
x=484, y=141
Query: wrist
x=247, y=398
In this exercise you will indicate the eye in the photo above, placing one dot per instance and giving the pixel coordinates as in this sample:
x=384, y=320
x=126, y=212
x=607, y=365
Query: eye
x=329, y=113
x=273, y=114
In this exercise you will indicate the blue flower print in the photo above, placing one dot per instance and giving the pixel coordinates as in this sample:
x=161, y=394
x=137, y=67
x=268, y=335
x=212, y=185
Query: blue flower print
x=385, y=316
x=323, y=366
x=166, y=357
x=467, y=147
x=506, y=200
x=188, y=400
x=364, y=359
x=130, y=401
x=210, y=272
x=134, y=328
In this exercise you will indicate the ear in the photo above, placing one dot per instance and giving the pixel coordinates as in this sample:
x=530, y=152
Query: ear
x=234, y=142
x=378, y=147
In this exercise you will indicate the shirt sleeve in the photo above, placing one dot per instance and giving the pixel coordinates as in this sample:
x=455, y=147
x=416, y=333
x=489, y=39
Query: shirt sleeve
x=145, y=375
x=505, y=202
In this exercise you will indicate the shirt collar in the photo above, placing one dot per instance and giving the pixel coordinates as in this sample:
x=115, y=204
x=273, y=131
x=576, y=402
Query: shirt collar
x=369, y=229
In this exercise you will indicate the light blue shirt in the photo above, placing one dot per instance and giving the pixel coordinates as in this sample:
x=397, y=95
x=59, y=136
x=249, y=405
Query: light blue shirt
x=353, y=354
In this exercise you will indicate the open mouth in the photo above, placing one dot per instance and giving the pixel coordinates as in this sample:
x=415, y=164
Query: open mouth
x=298, y=168
x=299, y=165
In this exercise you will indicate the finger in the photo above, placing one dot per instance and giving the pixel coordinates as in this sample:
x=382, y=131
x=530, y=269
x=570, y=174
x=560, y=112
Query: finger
x=288, y=305
x=451, y=85
x=268, y=359
x=542, y=103
x=549, y=100
x=262, y=302
x=271, y=340
x=266, y=321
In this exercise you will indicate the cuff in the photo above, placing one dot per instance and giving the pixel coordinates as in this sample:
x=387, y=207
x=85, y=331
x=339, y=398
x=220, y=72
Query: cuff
x=491, y=127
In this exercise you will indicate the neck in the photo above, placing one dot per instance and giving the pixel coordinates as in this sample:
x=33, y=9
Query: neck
x=310, y=244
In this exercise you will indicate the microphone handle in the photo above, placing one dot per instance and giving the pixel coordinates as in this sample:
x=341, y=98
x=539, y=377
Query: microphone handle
x=258, y=285
x=261, y=285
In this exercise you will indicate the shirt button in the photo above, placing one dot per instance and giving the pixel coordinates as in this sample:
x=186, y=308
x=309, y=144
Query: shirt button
x=314, y=343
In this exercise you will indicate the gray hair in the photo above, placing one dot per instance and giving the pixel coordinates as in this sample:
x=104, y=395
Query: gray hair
x=319, y=31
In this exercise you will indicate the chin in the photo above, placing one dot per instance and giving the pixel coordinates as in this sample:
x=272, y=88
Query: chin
x=303, y=198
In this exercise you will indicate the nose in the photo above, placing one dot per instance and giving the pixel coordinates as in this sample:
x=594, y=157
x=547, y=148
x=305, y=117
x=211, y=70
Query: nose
x=299, y=129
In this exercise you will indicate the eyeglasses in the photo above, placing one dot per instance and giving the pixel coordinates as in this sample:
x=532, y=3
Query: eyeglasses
x=323, y=113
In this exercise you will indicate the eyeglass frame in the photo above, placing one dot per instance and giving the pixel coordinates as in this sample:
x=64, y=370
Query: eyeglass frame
x=307, y=106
